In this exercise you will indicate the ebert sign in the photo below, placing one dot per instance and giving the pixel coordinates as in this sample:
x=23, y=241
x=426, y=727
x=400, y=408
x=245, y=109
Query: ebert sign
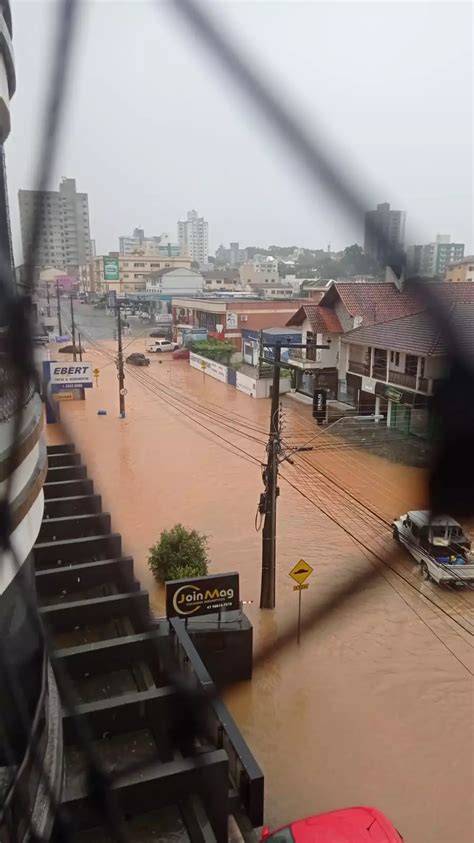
x=71, y=375
x=202, y=595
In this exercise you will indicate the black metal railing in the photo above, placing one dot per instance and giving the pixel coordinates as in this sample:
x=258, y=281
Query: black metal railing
x=245, y=773
x=359, y=368
x=402, y=378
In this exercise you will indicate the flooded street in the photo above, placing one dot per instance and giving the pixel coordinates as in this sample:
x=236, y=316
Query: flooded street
x=375, y=706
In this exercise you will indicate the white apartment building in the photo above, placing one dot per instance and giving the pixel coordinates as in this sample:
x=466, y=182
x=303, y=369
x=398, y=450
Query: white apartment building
x=124, y=273
x=193, y=237
x=65, y=240
x=263, y=269
x=130, y=244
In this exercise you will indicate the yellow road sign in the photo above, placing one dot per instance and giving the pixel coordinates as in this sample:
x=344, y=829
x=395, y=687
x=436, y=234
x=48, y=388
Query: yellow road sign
x=301, y=571
x=96, y=372
x=301, y=587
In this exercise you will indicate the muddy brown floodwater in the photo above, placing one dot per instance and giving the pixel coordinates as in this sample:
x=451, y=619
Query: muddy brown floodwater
x=376, y=705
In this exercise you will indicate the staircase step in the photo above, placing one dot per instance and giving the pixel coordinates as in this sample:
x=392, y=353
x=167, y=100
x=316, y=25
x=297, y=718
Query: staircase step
x=159, y=785
x=62, y=460
x=75, y=526
x=112, y=654
x=86, y=575
x=91, y=548
x=120, y=714
x=66, y=472
x=61, y=449
x=75, y=505
x=67, y=488
x=66, y=616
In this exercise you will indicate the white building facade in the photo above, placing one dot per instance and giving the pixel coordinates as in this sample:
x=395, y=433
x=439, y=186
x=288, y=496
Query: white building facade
x=193, y=237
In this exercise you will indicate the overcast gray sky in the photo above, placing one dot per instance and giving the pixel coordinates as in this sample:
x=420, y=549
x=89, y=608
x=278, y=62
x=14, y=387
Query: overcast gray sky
x=154, y=128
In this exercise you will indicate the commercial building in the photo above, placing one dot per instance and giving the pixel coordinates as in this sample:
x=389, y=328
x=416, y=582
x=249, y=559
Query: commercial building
x=225, y=317
x=432, y=259
x=174, y=282
x=461, y=270
x=130, y=244
x=124, y=273
x=193, y=237
x=263, y=269
x=64, y=240
x=390, y=225
x=222, y=279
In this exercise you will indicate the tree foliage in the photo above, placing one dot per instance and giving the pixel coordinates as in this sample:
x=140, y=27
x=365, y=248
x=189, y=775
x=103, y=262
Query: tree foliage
x=179, y=553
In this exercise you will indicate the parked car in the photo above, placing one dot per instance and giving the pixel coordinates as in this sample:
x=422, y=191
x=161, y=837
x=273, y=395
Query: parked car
x=351, y=825
x=438, y=544
x=181, y=354
x=137, y=359
x=161, y=345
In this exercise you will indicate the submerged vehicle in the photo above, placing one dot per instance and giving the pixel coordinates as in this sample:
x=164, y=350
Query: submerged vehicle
x=438, y=544
x=348, y=825
x=137, y=359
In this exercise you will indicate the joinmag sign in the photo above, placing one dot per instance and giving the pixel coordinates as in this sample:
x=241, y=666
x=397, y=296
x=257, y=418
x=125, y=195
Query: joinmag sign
x=202, y=595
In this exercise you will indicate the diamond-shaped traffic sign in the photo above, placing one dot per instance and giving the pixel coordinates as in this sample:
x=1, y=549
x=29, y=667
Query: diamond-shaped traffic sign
x=301, y=571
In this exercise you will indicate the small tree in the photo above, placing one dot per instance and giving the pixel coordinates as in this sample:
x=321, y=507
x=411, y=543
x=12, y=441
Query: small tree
x=179, y=553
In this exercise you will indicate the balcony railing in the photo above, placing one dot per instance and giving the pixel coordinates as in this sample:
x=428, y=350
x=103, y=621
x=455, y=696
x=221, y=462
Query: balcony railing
x=423, y=384
x=379, y=372
x=402, y=379
x=359, y=368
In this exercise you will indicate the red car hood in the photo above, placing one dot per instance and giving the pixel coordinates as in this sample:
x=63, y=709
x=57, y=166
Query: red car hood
x=351, y=825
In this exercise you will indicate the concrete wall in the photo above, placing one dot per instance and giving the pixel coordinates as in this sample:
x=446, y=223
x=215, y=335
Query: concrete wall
x=213, y=369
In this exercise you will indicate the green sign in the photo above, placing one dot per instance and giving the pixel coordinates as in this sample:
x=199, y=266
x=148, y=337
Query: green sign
x=111, y=269
x=393, y=394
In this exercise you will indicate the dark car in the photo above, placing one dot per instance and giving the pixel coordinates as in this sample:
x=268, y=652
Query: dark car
x=137, y=359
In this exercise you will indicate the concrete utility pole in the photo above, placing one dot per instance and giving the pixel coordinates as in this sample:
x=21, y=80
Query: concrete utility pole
x=80, y=345
x=58, y=297
x=120, y=373
x=268, y=499
x=48, y=307
x=73, y=331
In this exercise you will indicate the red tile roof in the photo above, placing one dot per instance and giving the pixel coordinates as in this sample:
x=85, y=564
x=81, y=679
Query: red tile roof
x=419, y=333
x=322, y=319
x=381, y=301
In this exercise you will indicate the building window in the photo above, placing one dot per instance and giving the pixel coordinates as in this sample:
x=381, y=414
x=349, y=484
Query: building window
x=138, y=264
x=395, y=358
x=411, y=365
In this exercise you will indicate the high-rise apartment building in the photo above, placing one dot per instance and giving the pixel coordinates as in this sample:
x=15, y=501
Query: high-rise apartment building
x=391, y=226
x=65, y=240
x=193, y=237
x=432, y=259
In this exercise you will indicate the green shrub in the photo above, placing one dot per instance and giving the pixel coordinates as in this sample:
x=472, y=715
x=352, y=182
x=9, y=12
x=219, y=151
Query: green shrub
x=180, y=553
x=217, y=350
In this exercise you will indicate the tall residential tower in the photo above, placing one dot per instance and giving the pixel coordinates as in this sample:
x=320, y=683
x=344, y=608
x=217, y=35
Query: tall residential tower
x=193, y=237
x=65, y=240
x=391, y=225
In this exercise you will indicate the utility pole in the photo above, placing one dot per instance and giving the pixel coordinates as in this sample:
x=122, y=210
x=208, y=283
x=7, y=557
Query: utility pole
x=73, y=331
x=267, y=591
x=268, y=499
x=48, y=307
x=80, y=345
x=60, y=324
x=120, y=374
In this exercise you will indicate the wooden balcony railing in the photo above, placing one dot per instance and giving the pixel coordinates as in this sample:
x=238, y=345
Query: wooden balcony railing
x=359, y=368
x=402, y=379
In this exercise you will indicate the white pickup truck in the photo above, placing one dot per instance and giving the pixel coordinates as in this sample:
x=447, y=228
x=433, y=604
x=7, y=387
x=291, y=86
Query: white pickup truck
x=160, y=345
x=439, y=546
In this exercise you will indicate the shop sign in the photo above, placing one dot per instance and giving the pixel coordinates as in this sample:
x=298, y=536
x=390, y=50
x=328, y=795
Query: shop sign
x=202, y=595
x=231, y=320
x=71, y=376
x=393, y=394
x=368, y=385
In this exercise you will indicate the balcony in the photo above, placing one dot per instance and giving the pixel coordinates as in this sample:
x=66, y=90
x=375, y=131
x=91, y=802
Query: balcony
x=297, y=357
x=359, y=368
x=402, y=379
x=423, y=385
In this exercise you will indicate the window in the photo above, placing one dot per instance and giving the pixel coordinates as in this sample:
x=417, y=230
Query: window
x=395, y=358
x=411, y=365
x=422, y=367
x=138, y=264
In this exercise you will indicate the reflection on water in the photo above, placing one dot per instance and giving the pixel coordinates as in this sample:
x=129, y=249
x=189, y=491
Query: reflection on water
x=372, y=707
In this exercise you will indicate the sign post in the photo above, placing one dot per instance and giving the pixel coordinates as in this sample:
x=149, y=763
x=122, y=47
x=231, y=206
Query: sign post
x=300, y=573
x=96, y=373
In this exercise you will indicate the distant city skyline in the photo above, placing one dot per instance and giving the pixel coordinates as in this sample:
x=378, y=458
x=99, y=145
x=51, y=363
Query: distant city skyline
x=236, y=172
